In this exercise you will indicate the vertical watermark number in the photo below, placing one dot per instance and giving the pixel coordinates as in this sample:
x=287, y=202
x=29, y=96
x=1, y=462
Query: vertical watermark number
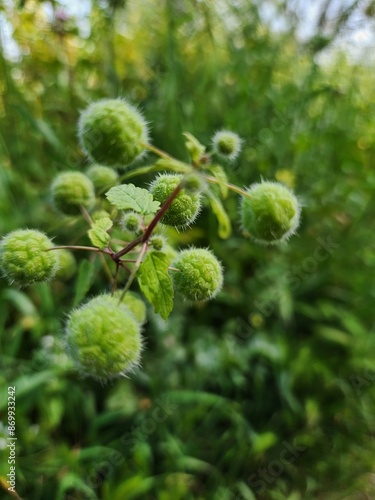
x=11, y=444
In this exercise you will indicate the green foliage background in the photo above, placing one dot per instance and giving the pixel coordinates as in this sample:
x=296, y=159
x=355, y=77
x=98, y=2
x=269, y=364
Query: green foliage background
x=286, y=352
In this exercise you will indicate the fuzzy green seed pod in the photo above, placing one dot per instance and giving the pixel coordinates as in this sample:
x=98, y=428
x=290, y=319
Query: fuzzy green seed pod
x=194, y=183
x=23, y=258
x=171, y=252
x=199, y=276
x=226, y=144
x=103, y=339
x=132, y=301
x=135, y=305
x=67, y=264
x=102, y=177
x=132, y=222
x=157, y=242
x=70, y=191
x=271, y=212
x=184, y=208
x=111, y=132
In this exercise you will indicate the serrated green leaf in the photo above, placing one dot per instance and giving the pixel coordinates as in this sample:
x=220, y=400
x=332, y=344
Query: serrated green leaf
x=156, y=284
x=85, y=276
x=225, y=226
x=98, y=233
x=130, y=197
x=219, y=174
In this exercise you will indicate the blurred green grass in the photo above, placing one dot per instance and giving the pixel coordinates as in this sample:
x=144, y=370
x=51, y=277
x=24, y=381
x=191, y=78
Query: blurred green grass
x=286, y=352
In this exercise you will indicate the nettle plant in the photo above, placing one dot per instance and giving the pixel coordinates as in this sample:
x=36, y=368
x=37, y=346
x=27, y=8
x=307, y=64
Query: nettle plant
x=103, y=336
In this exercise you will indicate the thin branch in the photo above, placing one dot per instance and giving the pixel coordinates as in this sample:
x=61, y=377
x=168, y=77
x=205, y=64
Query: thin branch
x=122, y=264
x=158, y=151
x=230, y=186
x=105, y=266
x=127, y=249
x=115, y=279
x=134, y=271
x=119, y=242
x=78, y=247
x=86, y=215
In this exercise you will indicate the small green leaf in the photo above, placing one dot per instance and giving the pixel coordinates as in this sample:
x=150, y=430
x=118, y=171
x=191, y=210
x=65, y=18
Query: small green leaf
x=245, y=491
x=155, y=282
x=72, y=481
x=219, y=174
x=225, y=226
x=98, y=233
x=20, y=300
x=263, y=442
x=29, y=385
x=134, y=487
x=334, y=335
x=195, y=148
x=85, y=276
x=130, y=197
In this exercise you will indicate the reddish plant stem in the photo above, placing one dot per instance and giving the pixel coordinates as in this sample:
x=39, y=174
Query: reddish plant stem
x=161, y=212
x=116, y=256
x=144, y=238
x=114, y=286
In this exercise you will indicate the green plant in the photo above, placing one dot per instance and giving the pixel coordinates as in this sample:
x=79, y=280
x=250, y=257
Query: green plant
x=184, y=208
x=226, y=144
x=23, y=257
x=103, y=338
x=270, y=213
x=103, y=335
x=112, y=132
x=67, y=265
x=72, y=190
x=200, y=276
x=102, y=177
